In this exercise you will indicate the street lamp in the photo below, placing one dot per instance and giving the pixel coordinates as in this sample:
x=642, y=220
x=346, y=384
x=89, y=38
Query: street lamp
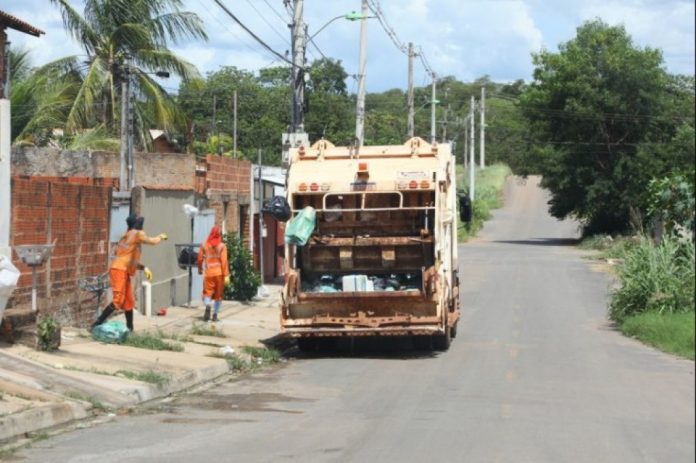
x=352, y=16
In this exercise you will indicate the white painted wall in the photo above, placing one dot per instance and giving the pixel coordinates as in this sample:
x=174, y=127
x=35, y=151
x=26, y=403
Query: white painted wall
x=5, y=200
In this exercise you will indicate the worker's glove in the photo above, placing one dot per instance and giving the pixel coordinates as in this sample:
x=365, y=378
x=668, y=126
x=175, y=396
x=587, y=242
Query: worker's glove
x=148, y=274
x=163, y=236
x=227, y=280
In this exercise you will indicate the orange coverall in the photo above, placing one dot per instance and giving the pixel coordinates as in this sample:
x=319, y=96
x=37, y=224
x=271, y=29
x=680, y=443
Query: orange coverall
x=124, y=266
x=216, y=269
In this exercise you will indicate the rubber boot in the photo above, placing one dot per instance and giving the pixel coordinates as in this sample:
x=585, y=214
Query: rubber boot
x=108, y=310
x=129, y=320
x=206, y=315
x=215, y=317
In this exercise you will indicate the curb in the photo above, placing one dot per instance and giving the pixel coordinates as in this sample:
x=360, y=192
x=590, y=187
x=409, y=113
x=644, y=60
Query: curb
x=40, y=418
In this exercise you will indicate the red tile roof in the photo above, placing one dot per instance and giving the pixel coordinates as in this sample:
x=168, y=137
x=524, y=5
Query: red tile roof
x=7, y=20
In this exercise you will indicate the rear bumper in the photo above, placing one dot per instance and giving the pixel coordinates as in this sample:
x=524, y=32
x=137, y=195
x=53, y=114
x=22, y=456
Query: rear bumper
x=324, y=331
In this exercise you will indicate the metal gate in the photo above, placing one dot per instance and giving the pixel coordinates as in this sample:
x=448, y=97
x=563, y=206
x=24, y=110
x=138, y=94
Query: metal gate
x=202, y=223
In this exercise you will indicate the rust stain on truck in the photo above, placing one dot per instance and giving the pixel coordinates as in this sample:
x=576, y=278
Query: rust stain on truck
x=382, y=259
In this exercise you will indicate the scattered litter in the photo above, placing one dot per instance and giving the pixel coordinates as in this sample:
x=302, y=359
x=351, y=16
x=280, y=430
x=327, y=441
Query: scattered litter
x=227, y=350
x=59, y=366
x=162, y=312
x=111, y=415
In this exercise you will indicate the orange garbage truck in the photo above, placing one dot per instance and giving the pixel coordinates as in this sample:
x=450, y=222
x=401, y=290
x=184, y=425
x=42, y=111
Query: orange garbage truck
x=371, y=248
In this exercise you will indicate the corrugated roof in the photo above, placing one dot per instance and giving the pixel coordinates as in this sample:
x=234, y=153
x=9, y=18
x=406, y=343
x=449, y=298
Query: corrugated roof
x=7, y=20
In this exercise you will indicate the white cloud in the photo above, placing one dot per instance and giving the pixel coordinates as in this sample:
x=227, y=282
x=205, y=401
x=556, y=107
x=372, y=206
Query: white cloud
x=466, y=39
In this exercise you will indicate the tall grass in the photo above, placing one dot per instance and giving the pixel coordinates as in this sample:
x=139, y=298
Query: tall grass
x=655, y=279
x=673, y=332
x=488, y=191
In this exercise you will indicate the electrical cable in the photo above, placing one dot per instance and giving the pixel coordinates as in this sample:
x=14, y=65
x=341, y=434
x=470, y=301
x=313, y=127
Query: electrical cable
x=250, y=32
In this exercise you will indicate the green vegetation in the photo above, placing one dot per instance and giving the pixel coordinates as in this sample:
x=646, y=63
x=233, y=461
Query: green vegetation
x=48, y=334
x=96, y=404
x=245, y=281
x=202, y=329
x=655, y=279
x=605, y=118
x=669, y=332
x=251, y=359
x=655, y=300
x=152, y=341
x=489, y=183
x=149, y=376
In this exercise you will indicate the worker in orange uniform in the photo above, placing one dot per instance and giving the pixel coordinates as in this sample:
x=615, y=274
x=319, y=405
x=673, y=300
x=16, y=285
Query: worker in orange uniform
x=213, y=256
x=124, y=266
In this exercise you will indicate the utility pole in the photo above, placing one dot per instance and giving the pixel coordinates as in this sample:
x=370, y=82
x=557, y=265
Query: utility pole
x=261, y=226
x=234, y=124
x=298, y=62
x=131, y=120
x=466, y=142
x=483, y=128
x=444, y=124
x=432, y=109
x=472, y=159
x=362, y=62
x=411, y=111
x=212, y=121
x=123, y=180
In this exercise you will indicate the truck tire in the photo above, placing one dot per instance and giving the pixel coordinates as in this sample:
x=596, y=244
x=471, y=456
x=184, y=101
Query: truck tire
x=454, y=330
x=442, y=342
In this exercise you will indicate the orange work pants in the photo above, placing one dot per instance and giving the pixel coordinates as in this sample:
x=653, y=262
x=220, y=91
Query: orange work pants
x=214, y=287
x=122, y=289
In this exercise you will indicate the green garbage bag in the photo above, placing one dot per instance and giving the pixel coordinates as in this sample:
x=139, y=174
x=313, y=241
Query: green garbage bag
x=113, y=332
x=301, y=227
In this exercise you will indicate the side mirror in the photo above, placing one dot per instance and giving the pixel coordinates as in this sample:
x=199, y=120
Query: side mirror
x=465, y=209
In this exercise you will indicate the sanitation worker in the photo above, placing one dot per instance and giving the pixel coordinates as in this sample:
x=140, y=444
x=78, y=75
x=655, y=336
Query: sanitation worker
x=123, y=267
x=213, y=259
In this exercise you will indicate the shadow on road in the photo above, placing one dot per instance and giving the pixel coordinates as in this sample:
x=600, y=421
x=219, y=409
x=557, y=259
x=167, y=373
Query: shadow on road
x=386, y=348
x=543, y=242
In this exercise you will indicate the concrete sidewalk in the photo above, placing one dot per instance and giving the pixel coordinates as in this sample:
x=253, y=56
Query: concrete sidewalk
x=42, y=390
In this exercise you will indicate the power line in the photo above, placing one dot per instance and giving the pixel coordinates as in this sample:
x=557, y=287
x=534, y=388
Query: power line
x=377, y=10
x=263, y=17
x=250, y=32
x=284, y=19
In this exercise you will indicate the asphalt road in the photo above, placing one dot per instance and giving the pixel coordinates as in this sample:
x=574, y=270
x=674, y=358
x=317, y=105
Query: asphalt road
x=536, y=374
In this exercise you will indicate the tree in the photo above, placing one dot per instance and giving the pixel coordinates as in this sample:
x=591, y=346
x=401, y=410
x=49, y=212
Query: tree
x=590, y=109
x=122, y=37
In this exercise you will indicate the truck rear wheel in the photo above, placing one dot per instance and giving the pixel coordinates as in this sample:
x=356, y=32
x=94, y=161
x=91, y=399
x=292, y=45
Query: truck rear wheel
x=442, y=341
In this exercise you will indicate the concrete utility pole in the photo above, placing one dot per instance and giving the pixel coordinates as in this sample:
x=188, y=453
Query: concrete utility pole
x=466, y=142
x=261, y=226
x=444, y=124
x=362, y=63
x=411, y=111
x=483, y=128
x=433, y=104
x=472, y=158
x=131, y=120
x=234, y=125
x=123, y=174
x=298, y=61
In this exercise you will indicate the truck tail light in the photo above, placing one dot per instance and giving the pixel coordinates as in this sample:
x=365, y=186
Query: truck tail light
x=302, y=187
x=301, y=150
x=424, y=184
x=413, y=184
x=314, y=187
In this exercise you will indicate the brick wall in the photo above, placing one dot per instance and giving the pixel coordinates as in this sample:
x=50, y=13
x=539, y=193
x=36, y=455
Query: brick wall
x=227, y=181
x=173, y=170
x=77, y=218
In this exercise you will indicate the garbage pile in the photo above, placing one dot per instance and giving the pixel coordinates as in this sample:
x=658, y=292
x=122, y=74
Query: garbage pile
x=329, y=283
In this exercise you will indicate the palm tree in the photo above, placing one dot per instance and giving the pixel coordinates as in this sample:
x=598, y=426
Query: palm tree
x=125, y=39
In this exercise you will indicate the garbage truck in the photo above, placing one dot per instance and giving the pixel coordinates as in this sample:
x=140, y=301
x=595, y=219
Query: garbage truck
x=371, y=246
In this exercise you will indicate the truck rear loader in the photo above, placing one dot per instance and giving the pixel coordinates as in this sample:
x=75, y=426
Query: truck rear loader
x=382, y=257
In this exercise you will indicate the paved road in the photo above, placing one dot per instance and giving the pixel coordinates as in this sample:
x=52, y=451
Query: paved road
x=536, y=375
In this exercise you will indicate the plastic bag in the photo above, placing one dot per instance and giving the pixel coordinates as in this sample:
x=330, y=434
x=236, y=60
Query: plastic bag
x=112, y=332
x=9, y=274
x=278, y=207
x=300, y=228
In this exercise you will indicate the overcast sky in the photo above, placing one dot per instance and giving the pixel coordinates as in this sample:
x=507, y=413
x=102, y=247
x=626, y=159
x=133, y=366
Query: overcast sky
x=464, y=38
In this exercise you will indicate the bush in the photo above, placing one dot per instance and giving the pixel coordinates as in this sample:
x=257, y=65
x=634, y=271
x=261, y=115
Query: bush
x=245, y=281
x=48, y=334
x=655, y=278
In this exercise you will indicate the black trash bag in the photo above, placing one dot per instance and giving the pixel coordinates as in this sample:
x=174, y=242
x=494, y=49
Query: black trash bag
x=278, y=207
x=187, y=258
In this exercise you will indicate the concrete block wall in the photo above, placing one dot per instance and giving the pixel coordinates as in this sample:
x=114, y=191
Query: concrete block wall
x=77, y=218
x=173, y=170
